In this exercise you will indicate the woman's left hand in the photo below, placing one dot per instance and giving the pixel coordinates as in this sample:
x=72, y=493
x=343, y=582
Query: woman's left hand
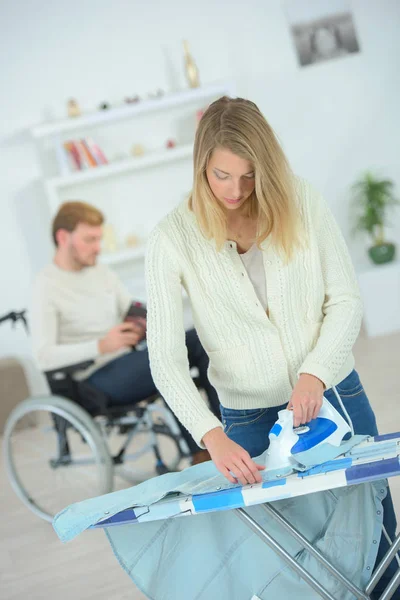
x=306, y=399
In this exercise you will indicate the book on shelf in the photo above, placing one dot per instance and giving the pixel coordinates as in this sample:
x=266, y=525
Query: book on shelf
x=96, y=152
x=64, y=159
x=74, y=155
x=78, y=155
x=85, y=152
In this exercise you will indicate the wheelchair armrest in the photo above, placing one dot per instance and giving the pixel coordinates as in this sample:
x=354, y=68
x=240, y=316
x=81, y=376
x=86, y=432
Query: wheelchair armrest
x=62, y=382
x=67, y=371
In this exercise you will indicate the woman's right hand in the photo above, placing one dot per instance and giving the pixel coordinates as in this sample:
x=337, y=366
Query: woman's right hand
x=233, y=461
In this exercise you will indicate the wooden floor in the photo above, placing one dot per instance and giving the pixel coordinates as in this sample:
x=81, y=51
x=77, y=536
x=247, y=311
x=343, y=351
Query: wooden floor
x=34, y=564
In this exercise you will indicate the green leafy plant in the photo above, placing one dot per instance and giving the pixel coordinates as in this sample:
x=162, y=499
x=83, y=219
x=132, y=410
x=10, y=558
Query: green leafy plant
x=372, y=198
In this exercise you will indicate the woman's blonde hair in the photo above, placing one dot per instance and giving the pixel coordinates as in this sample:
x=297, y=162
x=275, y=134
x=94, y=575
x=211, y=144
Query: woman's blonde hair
x=239, y=126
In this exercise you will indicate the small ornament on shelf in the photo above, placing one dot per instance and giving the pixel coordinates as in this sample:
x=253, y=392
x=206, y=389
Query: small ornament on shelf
x=137, y=150
x=199, y=114
x=73, y=108
x=158, y=94
x=132, y=241
x=132, y=99
x=170, y=143
x=191, y=70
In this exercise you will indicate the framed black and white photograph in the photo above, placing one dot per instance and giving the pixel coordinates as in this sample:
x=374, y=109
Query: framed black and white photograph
x=321, y=29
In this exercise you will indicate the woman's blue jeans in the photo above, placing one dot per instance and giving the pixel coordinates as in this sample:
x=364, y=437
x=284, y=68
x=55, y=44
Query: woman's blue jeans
x=250, y=429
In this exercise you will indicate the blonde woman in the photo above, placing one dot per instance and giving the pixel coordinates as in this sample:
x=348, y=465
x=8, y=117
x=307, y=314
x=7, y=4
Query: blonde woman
x=272, y=289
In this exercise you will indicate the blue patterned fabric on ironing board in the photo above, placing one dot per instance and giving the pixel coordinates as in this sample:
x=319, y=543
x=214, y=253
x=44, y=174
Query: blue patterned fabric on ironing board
x=215, y=555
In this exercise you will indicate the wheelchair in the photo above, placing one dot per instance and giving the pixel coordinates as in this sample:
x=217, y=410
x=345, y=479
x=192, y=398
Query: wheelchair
x=73, y=444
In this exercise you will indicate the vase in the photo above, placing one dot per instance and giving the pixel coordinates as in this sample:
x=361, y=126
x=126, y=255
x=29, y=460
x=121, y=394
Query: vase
x=382, y=253
x=192, y=72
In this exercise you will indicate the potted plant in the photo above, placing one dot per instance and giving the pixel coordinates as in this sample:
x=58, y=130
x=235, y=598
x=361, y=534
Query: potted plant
x=372, y=199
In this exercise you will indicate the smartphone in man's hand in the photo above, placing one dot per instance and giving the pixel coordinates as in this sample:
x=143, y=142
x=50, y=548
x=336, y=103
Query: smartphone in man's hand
x=136, y=309
x=138, y=314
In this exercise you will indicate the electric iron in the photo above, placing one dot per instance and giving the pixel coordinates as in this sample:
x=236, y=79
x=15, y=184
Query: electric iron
x=295, y=449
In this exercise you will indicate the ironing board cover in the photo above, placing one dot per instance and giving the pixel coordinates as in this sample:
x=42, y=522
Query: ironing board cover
x=160, y=554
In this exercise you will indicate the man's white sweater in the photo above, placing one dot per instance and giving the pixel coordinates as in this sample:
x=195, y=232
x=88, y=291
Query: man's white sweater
x=314, y=318
x=71, y=311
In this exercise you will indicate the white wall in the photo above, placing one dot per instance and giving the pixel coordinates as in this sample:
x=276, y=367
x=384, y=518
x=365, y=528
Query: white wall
x=334, y=119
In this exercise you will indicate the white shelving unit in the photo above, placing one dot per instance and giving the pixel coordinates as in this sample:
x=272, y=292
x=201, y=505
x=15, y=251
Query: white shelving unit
x=50, y=135
x=123, y=166
x=124, y=256
x=54, y=128
x=124, y=185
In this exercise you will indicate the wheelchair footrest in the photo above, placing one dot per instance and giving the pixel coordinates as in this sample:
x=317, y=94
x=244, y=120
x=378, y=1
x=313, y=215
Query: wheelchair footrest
x=61, y=461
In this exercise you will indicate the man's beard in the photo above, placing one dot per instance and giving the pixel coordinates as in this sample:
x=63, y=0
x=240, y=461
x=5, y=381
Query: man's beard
x=82, y=263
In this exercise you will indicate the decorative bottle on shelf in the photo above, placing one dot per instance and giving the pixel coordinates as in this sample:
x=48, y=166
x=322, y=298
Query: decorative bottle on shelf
x=73, y=108
x=109, y=239
x=192, y=72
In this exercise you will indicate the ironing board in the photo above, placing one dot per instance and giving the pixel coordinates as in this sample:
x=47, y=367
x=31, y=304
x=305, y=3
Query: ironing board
x=374, y=459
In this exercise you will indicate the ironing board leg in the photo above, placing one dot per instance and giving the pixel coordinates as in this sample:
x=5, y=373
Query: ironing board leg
x=306, y=544
x=392, y=587
x=312, y=582
x=389, y=556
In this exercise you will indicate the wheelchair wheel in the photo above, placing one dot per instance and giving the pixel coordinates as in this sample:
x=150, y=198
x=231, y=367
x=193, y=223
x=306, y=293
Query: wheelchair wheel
x=60, y=460
x=152, y=446
x=146, y=458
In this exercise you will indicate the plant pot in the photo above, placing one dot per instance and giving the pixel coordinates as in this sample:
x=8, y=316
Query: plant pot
x=382, y=253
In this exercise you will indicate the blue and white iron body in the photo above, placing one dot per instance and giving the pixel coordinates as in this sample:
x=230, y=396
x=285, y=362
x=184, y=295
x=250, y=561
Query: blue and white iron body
x=318, y=441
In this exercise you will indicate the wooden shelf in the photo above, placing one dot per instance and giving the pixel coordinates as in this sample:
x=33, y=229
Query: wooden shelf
x=129, y=164
x=54, y=128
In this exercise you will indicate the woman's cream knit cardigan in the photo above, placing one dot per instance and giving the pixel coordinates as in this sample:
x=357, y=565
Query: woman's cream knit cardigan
x=314, y=318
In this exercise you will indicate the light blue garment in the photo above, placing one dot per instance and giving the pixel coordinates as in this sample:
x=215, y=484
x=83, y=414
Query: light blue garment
x=325, y=452
x=216, y=555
